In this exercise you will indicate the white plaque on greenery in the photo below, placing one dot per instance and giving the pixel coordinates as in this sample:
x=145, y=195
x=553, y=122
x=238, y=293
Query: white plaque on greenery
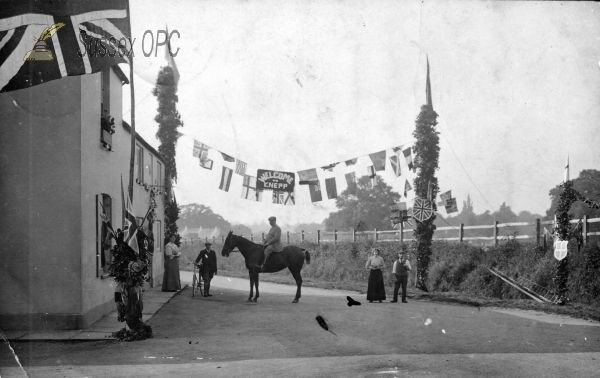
x=560, y=249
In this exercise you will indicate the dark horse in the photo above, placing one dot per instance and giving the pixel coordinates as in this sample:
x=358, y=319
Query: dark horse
x=291, y=257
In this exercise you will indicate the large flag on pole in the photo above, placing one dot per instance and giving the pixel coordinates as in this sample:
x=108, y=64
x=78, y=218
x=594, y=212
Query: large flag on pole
x=170, y=57
x=69, y=39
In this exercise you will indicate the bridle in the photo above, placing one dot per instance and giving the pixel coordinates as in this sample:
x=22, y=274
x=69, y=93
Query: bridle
x=229, y=250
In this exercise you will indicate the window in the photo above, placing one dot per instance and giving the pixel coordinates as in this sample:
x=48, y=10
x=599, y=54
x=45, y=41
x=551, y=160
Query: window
x=106, y=121
x=158, y=176
x=151, y=170
x=105, y=242
x=139, y=164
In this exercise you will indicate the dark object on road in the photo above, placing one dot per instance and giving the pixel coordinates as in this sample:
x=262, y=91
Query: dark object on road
x=352, y=302
x=323, y=324
x=291, y=257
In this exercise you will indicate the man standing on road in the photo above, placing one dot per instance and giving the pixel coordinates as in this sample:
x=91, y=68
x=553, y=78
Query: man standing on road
x=400, y=271
x=272, y=241
x=208, y=266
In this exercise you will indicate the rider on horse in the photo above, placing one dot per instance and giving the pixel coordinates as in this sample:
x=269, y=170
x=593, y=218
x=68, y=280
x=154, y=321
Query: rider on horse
x=272, y=241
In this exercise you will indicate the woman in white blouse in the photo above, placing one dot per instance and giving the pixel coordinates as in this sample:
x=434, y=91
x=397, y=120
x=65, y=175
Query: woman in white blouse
x=376, y=288
x=171, y=279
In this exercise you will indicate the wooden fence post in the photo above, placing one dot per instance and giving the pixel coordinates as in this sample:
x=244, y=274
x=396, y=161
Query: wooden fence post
x=334, y=236
x=461, y=232
x=495, y=232
x=288, y=237
x=584, y=230
x=353, y=235
x=375, y=235
x=302, y=236
x=538, y=229
x=318, y=236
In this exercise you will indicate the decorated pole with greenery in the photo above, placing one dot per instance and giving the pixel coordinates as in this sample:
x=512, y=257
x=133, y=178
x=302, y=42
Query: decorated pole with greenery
x=168, y=120
x=427, y=152
x=563, y=232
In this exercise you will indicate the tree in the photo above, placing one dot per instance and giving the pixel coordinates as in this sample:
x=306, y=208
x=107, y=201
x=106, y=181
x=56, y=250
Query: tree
x=505, y=214
x=168, y=120
x=588, y=185
x=369, y=205
x=427, y=152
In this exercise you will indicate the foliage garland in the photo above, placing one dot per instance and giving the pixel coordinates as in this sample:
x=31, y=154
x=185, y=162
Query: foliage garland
x=427, y=152
x=168, y=120
x=563, y=231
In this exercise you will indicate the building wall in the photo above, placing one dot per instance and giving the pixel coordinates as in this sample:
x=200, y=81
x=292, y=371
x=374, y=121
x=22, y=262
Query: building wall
x=40, y=186
x=101, y=173
x=52, y=167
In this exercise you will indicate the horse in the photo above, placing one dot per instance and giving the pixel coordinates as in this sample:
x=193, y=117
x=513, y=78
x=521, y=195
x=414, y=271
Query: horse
x=291, y=257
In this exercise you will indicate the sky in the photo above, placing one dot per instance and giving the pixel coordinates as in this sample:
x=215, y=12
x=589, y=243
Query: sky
x=293, y=85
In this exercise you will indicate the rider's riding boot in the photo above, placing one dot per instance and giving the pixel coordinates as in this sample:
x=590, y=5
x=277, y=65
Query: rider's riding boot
x=205, y=289
x=208, y=289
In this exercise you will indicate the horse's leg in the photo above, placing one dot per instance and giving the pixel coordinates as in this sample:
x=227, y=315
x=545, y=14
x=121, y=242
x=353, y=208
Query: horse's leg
x=298, y=279
x=251, y=286
x=256, y=283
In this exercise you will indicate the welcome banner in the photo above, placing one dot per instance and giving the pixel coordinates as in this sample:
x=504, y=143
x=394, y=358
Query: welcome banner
x=275, y=180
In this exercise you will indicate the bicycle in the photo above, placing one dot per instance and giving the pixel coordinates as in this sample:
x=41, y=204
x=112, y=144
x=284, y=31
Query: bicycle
x=196, y=283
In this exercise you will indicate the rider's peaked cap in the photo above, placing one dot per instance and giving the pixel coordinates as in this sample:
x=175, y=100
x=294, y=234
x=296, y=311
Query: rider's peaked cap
x=272, y=218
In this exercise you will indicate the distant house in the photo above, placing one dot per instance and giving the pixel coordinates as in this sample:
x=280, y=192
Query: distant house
x=58, y=161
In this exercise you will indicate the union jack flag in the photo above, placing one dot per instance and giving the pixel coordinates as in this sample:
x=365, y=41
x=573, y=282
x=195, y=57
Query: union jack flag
x=422, y=209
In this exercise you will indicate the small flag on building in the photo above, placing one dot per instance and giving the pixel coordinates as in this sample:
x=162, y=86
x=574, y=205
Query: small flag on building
x=408, y=156
x=329, y=167
x=315, y=192
x=407, y=187
x=378, y=160
x=249, y=188
x=278, y=197
x=372, y=175
x=225, y=179
x=351, y=181
x=308, y=177
x=451, y=206
x=130, y=235
x=351, y=161
x=290, y=199
x=206, y=163
x=240, y=167
x=331, y=188
x=566, y=175
x=200, y=149
x=395, y=163
x=227, y=158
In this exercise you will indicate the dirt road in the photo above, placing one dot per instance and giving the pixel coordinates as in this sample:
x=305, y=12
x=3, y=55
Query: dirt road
x=223, y=336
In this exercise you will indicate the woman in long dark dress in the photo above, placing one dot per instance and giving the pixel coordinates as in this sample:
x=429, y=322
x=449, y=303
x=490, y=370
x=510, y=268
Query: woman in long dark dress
x=376, y=288
x=171, y=280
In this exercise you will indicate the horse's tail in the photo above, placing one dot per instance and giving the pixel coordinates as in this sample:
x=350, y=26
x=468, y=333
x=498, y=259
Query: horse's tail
x=306, y=255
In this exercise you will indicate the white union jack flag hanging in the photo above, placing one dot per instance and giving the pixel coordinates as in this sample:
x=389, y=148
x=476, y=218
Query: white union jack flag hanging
x=422, y=209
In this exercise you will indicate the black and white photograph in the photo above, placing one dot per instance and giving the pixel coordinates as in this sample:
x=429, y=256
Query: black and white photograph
x=299, y=188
